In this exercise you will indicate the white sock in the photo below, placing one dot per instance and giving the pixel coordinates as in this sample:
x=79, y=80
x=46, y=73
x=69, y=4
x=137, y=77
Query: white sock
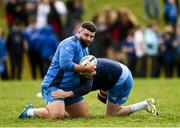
x=30, y=112
x=139, y=106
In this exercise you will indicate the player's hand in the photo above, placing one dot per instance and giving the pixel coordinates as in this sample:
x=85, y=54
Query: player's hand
x=90, y=75
x=90, y=67
x=59, y=94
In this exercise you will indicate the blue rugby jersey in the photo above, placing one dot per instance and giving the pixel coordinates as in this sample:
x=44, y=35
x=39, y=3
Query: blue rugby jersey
x=61, y=71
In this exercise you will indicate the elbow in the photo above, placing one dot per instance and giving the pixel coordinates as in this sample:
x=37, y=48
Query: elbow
x=88, y=89
x=67, y=67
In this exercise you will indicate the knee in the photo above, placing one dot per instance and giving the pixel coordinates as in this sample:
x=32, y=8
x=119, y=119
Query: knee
x=77, y=115
x=57, y=115
x=86, y=114
x=109, y=114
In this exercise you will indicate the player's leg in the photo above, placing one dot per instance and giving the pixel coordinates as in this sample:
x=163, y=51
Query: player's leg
x=55, y=108
x=117, y=110
x=118, y=95
x=124, y=89
x=77, y=108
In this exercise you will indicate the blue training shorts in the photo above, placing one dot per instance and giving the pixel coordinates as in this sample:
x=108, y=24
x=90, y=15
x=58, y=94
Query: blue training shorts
x=46, y=93
x=121, y=90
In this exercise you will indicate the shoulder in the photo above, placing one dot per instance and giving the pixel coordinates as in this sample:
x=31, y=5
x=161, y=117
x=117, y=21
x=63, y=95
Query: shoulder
x=108, y=62
x=2, y=40
x=105, y=60
x=70, y=41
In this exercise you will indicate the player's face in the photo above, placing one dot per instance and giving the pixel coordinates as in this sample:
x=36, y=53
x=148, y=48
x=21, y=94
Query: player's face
x=86, y=36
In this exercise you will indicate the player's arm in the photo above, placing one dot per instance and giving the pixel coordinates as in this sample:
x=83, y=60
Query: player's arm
x=82, y=89
x=81, y=68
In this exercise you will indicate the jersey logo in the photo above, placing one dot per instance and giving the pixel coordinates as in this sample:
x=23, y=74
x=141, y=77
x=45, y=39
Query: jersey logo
x=67, y=48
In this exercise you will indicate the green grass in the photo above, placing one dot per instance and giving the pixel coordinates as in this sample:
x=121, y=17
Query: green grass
x=14, y=95
x=93, y=7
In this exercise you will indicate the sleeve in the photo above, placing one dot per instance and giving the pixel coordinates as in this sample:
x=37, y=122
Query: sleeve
x=67, y=52
x=84, y=87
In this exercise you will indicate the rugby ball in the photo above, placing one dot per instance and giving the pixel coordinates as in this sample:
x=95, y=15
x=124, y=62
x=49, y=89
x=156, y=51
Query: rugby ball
x=86, y=59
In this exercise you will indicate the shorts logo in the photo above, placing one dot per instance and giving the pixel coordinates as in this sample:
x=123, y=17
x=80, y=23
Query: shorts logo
x=124, y=98
x=114, y=98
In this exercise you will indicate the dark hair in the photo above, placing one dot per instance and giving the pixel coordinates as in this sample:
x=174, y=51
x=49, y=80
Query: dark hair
x=16, y=22
x=131, y=32
x=32, y=19
x=89, y=26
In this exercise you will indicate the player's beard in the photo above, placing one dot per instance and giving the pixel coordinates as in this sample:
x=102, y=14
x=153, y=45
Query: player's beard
x=84, y=43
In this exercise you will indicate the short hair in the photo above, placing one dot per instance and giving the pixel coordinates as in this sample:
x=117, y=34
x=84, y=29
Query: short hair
x=89, y=26
x=31, y=19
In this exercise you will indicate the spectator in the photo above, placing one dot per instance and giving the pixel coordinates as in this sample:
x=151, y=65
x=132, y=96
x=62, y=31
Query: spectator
x=62, y=12
x=124, y=23
x=43, y=10
x=152, y=46
x=48, y=42
x=60, y=7
x=75, y=11
x=102, y=38
x=170, y=12
x=54, y=19
x=32, y=34
x=15, y=46
x=10, y=11
x=177, y=50
x=140, y=51
x=30, y=9
x=127, y=21
x=151, y=9
x=168, y=50
x=3, y=57
x=129, y=49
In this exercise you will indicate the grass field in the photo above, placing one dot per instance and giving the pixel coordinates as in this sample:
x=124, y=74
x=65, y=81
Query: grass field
x=14, y=95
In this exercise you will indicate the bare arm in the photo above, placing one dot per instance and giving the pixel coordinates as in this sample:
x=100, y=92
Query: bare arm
x=81, y=68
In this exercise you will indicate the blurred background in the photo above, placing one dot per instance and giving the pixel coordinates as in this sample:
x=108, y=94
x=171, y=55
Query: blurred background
x=143, y=34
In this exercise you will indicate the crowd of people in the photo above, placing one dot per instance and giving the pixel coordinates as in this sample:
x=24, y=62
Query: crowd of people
x=36, y=27
x=146, y=50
